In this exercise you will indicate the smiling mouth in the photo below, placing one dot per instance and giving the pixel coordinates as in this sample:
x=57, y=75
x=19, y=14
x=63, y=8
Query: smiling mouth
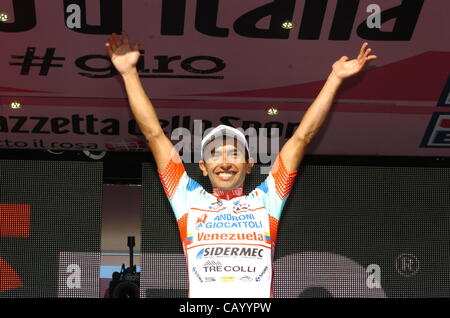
x=226, y=176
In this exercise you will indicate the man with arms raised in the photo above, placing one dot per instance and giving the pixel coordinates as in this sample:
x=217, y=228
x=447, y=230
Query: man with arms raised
x=228, y=237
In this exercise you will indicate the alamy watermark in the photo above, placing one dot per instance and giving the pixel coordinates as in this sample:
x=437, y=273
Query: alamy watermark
x=374, y=20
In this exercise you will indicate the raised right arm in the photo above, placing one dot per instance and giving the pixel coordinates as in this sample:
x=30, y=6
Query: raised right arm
x=125, y=57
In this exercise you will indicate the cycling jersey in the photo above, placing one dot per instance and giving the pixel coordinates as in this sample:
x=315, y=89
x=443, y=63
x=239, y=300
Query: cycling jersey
x=228, y=238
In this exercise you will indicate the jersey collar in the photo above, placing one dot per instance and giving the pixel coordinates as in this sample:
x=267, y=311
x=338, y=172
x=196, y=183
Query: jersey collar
x=228, y=194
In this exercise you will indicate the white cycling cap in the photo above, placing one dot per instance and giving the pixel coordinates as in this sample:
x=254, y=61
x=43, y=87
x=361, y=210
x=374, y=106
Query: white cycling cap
x=224, y=130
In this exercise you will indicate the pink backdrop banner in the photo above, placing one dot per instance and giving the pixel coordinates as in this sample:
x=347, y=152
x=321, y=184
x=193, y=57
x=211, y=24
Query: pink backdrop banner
x=215, y=59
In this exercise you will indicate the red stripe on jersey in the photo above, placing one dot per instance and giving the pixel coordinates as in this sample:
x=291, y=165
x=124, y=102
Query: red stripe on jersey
x=213, y=211
x=214, y=244
x=228, y=194
x=284, y=181
x=171, y=175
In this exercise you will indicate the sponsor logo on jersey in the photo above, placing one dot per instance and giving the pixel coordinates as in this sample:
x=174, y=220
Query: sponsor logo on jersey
x=249, y=252
x=258, y=278
x=217, y=267
x=228, y=221
x=267, y=238
x=200, y=221
x=216, y=205
x=194, y=269
x=231, y=217
x=200, y=254
x=212, y=263
x=230, y=237
x=209, y=279
x=228, y=279
x=240, y=206
x=189, y=239
x=245, y=279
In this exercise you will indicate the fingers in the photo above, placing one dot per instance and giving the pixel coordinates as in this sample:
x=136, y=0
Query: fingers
x=126, y=41
x=368, y=57
x=137, y=46
x=344, y=58
x=112, y=42
x=109, y=44
x=362, y=50
x=125, y=38
x=117, y=40
x=366, y=54
x=108, y=47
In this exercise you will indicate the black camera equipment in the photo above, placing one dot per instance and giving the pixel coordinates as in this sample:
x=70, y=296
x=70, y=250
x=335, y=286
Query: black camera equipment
x=126, y=283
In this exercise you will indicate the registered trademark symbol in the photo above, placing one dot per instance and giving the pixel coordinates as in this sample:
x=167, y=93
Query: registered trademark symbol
x=407, y=265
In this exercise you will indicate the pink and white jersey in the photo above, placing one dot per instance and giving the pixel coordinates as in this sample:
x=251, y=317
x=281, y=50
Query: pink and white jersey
x=228, y=237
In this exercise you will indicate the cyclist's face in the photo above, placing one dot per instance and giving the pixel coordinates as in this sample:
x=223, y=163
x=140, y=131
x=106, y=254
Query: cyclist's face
x=224, y=163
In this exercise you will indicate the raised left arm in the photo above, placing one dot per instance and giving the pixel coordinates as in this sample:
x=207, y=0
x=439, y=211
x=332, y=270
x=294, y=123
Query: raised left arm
x=294, y=149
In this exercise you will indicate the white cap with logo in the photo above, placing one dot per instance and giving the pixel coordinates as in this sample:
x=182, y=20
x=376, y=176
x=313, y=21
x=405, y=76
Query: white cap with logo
x=224, y=130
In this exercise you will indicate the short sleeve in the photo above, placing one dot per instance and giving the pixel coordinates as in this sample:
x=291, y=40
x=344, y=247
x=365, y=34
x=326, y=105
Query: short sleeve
x=180, y=189
x=275, y=189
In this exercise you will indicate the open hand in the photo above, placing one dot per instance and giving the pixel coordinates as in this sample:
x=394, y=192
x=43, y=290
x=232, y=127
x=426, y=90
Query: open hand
x=344, y=67
x=122, y=54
